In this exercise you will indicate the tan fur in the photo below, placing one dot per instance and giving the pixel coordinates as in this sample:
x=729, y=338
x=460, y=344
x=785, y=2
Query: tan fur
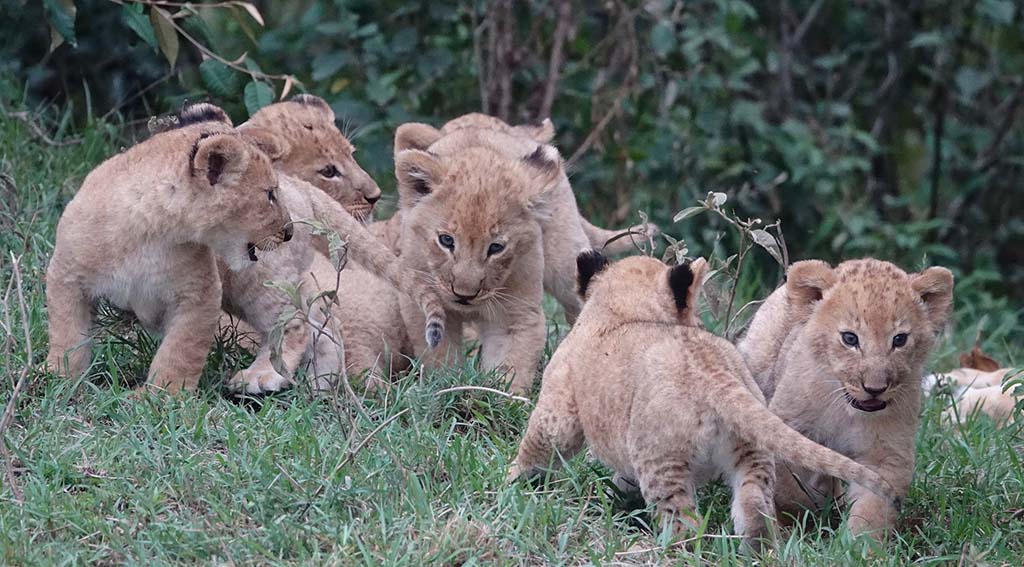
x=565, y=232
x=373, y=331
x=662, y=401
x=976, y=391
x=314, y=146
x=309, y=270
x=482, y=200
x=795, y=349
x=144, y=232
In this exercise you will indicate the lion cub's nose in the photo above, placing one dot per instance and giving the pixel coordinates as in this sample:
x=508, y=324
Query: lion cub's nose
x=874, y=391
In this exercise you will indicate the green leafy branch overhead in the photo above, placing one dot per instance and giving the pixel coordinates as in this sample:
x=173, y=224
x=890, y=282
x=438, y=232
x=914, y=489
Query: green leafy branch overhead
x=164, y=24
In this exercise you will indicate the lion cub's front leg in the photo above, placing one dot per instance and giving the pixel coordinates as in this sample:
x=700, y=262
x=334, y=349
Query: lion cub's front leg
x=190, y=329
x=870, y=514
x=515, y=345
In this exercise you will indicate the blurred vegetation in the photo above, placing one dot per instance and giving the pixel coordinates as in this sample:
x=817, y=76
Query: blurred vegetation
x=879, y=128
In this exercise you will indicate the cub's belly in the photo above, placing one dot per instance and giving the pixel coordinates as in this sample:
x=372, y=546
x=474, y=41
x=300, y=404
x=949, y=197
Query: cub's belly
x=144, y=285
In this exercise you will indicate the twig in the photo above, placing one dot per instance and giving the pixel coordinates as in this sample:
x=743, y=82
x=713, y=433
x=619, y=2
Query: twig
x=483, y=389
x=8, y=415
x=557, y=58
x=351, y=454
x=39, y=133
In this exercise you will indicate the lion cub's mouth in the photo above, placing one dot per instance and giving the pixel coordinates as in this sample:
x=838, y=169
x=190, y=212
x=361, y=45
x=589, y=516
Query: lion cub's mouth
x=251, y=248
x=872, y=405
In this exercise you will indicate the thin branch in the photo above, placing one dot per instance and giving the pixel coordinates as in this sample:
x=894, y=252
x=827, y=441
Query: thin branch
x=482, y=389
x=351, y=454
x=8, y=415
x=39, y=133
x=557, y=58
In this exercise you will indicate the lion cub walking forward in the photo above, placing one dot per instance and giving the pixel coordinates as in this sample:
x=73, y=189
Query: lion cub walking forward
x=664, y=402
x=145, y=230
x=839, y=353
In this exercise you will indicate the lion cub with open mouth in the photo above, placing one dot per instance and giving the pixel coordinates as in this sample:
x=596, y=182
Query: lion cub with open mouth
x=839, y=353
x=662, y=401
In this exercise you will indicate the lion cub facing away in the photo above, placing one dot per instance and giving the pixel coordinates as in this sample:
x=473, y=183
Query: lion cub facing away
x=664, y=402
x=145, y=231
x=839, y=354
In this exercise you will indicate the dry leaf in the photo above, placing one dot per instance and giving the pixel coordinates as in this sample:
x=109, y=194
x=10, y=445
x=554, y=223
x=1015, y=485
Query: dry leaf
x=979, y=360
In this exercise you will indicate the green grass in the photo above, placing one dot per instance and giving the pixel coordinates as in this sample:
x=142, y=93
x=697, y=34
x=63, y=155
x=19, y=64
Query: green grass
x=108, y=479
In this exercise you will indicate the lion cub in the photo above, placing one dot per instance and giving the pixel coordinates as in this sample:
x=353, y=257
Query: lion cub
x=839, y=352
x=145, y=231
x=471, y=228
x=664, y=402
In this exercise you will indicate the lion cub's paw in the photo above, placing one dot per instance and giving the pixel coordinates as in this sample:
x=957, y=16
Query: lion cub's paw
x=251, y=381
x=514, y=472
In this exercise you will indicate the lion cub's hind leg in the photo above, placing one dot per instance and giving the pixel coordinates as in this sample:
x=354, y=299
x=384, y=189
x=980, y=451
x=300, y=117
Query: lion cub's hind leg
x=666, y=479
x=752, y=481
x=70, y=314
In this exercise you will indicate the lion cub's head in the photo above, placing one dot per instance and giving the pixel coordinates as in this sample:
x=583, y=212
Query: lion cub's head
x=870, y=324
x=469, y=215
x=317, y=152
x=639, y=288
x=231, y=182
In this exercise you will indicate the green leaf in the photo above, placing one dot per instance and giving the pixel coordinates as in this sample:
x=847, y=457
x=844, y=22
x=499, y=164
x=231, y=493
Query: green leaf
x=166, y=35
x=768, y=242
x=970, y=80
x=687, y=213
x=135, y=18
x=220, y=79
x=327, y=64
x=663, y=38
x=257, y=95
x=999, y=11
x=61, y=15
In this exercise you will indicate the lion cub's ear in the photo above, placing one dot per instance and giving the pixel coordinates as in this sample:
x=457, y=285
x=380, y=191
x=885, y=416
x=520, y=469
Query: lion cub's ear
x=542, y=132
x=220, y=159
x=589, y=263
x=316, y=104
x=686, y=281
x=267, y=141
x=935, y=286
x=807, y=281
x=546, y=164
x=418, y=174
x=415, y=136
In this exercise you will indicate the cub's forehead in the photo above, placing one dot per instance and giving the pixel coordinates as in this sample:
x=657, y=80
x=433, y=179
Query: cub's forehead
x=307, y=127
x=872, y=290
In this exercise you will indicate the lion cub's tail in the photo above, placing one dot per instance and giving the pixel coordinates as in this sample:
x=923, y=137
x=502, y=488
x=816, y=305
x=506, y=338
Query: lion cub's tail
x=746, y=415
x=618, y=241
x=377, y=258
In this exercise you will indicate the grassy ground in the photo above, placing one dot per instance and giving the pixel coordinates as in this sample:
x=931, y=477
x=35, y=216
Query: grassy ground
x=414, y=478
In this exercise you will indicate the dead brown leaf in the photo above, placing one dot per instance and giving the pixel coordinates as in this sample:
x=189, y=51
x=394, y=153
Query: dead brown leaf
x=978, y=360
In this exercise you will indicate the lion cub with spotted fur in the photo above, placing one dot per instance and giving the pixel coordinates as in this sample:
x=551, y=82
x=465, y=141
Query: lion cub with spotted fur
x=471, y=228
x=662, y=401
x=564, y=231
x=839, y=353
x=145, y=231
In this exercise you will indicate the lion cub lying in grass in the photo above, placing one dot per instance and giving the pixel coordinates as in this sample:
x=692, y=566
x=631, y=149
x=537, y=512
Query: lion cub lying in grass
x=145, y=231
x=839, y=353
x=664, y=402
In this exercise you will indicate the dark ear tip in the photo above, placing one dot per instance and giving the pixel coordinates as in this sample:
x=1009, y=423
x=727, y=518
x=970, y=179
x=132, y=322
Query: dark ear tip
x=680, y=279
x=588, y=264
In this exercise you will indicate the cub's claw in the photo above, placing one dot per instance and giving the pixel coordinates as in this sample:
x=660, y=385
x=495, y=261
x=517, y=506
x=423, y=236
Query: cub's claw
x=435, y=333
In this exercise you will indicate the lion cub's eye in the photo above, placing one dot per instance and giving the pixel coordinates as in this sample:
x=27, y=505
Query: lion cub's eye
x=899, y=340
x=447, y=241
x=495, y=248
x=849, y=339
x=329, y=172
